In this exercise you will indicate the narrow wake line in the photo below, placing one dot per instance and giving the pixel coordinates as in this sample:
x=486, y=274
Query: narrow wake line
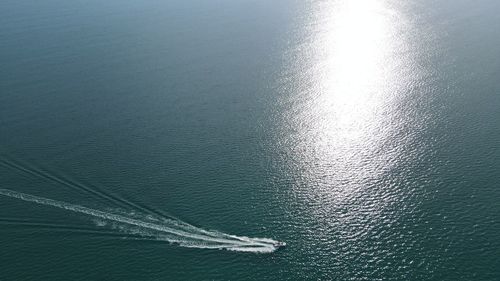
x=166, y=230
x=92, y=190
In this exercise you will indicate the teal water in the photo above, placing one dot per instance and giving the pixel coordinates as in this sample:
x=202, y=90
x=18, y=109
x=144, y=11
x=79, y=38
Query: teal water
x=180, y=140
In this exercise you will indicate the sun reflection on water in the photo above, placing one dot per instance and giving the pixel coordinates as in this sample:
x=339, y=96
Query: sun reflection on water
x=352, y=51
x=344, y=112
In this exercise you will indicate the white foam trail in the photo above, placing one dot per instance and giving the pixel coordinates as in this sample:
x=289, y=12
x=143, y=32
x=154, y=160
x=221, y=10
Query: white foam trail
x=166, y=230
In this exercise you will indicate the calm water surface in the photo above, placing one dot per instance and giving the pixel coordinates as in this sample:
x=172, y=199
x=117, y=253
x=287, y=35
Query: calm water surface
x=364, y=134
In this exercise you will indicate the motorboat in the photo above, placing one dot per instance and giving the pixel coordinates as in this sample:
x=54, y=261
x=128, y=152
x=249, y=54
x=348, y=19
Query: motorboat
x=279, y=244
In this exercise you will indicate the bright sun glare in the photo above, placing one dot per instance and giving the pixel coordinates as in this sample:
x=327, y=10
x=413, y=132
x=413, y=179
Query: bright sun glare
x=352, y=69
x=347, y=101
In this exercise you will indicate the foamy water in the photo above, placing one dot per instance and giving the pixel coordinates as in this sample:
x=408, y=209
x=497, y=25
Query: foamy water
x=162, y=229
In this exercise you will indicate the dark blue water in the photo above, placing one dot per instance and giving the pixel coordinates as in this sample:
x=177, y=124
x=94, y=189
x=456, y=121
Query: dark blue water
x=180, y=140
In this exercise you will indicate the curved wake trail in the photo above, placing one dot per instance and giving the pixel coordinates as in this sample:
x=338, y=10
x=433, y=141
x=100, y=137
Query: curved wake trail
x=164, y=230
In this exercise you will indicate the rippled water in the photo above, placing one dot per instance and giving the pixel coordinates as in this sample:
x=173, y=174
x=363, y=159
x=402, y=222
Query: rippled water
x=134, y=135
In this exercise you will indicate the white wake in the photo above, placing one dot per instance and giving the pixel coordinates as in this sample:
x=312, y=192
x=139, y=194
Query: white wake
x=162, y=229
